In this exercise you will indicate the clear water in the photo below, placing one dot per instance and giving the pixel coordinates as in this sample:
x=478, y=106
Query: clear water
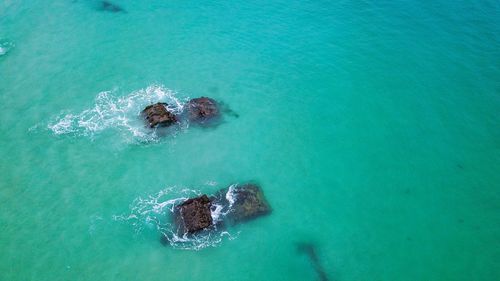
x=372, y=127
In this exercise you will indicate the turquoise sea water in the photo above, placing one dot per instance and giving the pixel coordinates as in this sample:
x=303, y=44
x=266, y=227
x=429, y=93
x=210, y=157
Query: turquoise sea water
x=372, y=127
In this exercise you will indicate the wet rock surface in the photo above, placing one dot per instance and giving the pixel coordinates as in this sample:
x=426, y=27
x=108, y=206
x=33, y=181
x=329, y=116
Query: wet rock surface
x=158, y=115
x=243, y=203
x=202, y=109
x=228, y=206
x=204, y=112
x=249, y=203
x=193, y=215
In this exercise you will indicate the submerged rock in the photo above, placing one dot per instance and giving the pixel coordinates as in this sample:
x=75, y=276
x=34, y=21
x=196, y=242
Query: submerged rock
x=202, y=109
x=110, y=7
x=310, y=250
x=243, y=203
x=193, y=215
x=158, y=115
x=249, y=202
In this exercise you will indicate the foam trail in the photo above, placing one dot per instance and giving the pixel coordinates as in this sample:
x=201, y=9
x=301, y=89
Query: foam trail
x=111, y=112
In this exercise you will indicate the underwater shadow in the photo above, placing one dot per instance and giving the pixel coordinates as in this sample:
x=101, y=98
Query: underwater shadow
x=310, y=250
x=106, y=6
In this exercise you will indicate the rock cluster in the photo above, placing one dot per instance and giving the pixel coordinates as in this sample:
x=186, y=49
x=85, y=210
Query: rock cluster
x=239, y=204
x=198, y=110
x=236, y=204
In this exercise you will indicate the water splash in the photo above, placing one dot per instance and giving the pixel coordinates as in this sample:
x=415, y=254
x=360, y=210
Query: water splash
x=5, y=47
x=155, y=211
x=112, y=112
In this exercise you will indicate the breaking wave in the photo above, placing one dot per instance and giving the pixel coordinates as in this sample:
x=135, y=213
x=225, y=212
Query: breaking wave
x=155, y=211
x=122, y=113
x=5, y=47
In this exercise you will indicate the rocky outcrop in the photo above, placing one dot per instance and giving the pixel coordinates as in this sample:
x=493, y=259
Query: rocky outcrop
x=231, y=206
x=202, y=109
x=158, y=115
x=193, y=215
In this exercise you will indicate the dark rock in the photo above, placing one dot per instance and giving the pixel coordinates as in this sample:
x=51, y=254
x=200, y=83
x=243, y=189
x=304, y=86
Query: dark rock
x=158, y=115
x=193, y=215
x=202, y=109
x=243, y=203
x=110, y=7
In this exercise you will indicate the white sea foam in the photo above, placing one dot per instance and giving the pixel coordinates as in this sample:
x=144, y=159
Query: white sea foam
x=5, y=47
x=216, y=213
x=230, y=195
x=113, y=112
x=156, y=211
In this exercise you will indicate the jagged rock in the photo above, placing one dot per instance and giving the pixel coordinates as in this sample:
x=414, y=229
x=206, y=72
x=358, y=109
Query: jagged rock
x=202, y=109
x=158, y=115
x=242, y=203
x=193, y=215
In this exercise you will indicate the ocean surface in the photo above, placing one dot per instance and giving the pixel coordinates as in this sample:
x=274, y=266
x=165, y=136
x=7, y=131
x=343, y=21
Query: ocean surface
x=372, y=127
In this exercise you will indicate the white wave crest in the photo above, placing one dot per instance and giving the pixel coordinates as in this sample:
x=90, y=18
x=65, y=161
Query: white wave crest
x=117, y=113
x=156, y=210
x=5, y=47
x=230, y=197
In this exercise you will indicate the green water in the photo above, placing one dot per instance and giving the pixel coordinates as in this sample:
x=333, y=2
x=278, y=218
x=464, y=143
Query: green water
x=371, y=126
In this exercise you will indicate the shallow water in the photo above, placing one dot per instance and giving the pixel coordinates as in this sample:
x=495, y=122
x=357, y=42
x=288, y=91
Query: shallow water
x=371, y=126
